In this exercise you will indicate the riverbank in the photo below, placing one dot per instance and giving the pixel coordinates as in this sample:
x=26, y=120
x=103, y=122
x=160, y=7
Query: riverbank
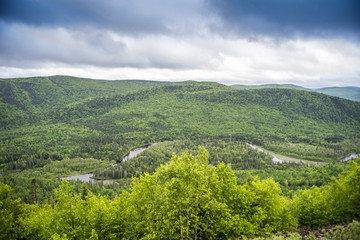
x=282, y=159
x=89, y=177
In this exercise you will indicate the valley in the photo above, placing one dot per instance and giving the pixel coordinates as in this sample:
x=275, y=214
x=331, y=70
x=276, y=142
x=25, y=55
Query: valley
x=282, y=145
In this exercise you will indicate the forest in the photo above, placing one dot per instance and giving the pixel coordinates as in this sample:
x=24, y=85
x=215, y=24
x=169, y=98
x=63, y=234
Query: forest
x=202, y=180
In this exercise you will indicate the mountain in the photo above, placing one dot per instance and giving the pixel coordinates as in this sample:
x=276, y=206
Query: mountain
x=352, y=93
x=300, y=123
x=288, y=86
x=27, y=100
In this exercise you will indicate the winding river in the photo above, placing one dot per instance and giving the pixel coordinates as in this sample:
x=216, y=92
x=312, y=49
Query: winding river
x=87, y=177
x=274, y=158
x=352, y=156
x=281, y=159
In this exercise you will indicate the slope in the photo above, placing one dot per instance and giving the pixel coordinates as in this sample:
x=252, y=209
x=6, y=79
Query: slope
x=303, y=124
x=27, y=100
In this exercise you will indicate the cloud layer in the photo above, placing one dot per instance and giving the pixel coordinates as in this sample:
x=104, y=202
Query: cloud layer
x=283, y=18
x=310, y=43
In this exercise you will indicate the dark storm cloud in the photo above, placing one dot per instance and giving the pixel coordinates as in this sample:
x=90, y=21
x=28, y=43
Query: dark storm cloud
x=42, y=12
x=91, y=31
x=278, y=18
x=121, y=16
x=287, y=18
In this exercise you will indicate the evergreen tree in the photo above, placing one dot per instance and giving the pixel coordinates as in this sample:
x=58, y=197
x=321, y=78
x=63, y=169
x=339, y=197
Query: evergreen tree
x=33, y=191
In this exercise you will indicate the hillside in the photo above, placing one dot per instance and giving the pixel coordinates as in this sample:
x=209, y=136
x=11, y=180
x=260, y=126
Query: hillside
x=85, y=126
x=296, y=123
x=352, y=93
x=27, y=100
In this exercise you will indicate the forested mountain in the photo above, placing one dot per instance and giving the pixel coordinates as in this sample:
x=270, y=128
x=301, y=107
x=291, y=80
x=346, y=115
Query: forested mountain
x=57, y=126
x=27, y=100
x=352, y=93
x=107, y=127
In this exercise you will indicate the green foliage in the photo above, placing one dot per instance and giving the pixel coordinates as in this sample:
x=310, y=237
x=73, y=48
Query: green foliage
x=229, y=151
x=72, y=166
x=294, y=176
x=72, y=125
x=10, y=211
x=271, y=212
x=60, y=125
x=334, y=203
x=352, y=231
x=22, y=188
x=71, y=216
x=31, y=99
x=187, y=198
x=335, y=148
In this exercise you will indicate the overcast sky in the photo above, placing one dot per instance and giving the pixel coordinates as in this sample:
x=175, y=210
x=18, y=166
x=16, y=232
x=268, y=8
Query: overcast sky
x=312, y=43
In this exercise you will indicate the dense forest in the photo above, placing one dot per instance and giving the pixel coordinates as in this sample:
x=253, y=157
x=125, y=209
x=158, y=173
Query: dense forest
x=59, y=126
x=185, y=198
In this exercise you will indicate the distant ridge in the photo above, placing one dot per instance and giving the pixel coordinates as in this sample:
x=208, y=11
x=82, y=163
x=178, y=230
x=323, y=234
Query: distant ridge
x=350, y=93
x=288, y=86
x=87, y=87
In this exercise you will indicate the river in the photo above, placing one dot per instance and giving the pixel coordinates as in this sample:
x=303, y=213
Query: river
x=274, y=158
x=281, y=159
x=352, y=156
x=87, y=177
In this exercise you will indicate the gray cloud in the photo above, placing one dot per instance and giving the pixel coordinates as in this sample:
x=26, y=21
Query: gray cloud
x=26, y=46
x=250, y=41
x=283, y=18
x=123, y=16
x=275, y=18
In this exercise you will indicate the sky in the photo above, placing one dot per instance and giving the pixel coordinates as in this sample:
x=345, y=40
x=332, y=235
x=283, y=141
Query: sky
x=312, y=43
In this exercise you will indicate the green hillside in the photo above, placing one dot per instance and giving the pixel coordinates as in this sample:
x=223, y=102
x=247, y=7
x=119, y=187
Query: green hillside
x=27, y=100
x=295, y=123
x=63, y=126
x=352, y=93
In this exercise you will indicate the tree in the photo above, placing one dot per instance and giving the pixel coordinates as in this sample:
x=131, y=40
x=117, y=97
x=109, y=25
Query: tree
x=10, y=210
x=71, y=216
x=337, y=202
x=188, y=198
x=33, y=191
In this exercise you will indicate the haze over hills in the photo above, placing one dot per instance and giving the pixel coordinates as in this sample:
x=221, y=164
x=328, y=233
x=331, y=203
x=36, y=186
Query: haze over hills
x=289, y=86
x=351, y=93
